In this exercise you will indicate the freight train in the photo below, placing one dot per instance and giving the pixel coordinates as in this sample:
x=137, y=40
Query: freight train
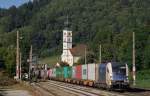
x=111, y=75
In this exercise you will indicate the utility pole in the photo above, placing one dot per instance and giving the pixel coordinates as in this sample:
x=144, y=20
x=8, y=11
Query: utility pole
x=133, y=67
x=30, y=62
x=85, y=56
x=100, y=53
x=85, y=60
x=17, y=56
x=20, y=65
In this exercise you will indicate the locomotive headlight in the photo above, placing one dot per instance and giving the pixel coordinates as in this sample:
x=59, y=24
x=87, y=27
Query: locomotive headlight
x=127, y=78
x=126, y=81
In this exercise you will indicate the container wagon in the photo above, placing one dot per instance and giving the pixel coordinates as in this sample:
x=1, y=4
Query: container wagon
x=60, y=74
x=106, y=75
x=67, y=74
x=78, y=74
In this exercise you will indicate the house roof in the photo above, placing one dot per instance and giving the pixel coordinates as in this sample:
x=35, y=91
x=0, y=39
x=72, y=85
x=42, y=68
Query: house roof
x=78, y=50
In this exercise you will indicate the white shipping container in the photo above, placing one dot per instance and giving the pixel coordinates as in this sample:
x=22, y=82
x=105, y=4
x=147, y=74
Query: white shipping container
x=54, y=72
x=92, y=72
x=73, y=72
x=42, y=73
x=84, y=72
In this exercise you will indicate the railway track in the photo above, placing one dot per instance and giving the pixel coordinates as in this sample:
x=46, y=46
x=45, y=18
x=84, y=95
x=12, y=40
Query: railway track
x=70, y=91
x=129, y=92
x=56, y=88
x=41, y=91
x=81, y=89
x=76, y=90
x=60, y=91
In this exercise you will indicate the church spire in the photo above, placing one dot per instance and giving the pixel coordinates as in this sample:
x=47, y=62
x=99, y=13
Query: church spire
x=67, y=23
x=67, y=43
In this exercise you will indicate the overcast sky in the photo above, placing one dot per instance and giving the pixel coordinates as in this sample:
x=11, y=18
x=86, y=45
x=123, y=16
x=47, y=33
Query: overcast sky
x=9, y=3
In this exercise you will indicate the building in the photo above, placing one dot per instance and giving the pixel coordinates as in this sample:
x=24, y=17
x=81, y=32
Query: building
x=67, y=45
x=77, y=52
x=71, y=55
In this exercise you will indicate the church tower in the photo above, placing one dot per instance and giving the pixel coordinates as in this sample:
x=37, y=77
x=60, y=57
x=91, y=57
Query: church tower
x=67, y=44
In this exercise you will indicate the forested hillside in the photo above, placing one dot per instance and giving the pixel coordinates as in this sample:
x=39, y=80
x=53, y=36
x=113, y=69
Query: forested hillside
x=93, y=22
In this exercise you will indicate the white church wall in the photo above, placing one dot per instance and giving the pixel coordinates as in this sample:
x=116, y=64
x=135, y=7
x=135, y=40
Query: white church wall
x=67, y=45
x=76, y=59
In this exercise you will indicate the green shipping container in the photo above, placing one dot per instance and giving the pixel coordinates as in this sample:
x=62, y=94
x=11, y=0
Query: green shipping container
x=67, y=72
x=59, y=72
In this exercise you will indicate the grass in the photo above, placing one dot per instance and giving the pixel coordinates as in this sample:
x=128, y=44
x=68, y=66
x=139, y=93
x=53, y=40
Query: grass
x=143, y=79
x=143, y=83
x=51, y=61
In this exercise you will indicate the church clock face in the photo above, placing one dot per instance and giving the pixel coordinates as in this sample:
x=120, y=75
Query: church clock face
x=65, y=34
x=69, y=33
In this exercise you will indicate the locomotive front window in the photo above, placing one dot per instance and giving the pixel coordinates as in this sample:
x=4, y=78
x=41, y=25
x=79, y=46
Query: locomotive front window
x=119, y=72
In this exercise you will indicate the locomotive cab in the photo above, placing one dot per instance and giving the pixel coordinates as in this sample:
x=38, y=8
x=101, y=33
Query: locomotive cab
x=119, y=77
x=113, y=75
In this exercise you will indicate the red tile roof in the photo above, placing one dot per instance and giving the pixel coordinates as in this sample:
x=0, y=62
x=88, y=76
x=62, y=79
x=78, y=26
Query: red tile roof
x=78, y=50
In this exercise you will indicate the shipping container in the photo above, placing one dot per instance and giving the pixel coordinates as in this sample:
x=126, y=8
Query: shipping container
x=43, y=74
x=54, y=72
x=67, y=72
x=73, y=72
x=92, y=72
x=97, y=73
x=59, y=72
x=84, y=72
x=49, y=73
x=78, y=72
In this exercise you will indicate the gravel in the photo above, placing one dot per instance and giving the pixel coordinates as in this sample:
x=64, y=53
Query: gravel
x=8, y=92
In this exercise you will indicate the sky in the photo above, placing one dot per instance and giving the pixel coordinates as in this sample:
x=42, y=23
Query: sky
x=9, y=3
